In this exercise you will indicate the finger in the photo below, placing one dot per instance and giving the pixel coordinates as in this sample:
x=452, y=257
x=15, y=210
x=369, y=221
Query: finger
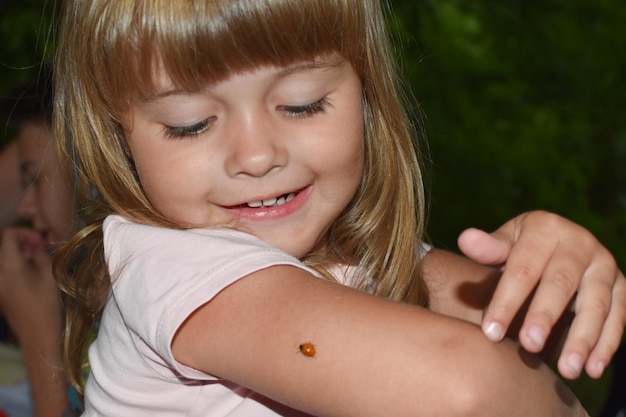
x=20, y=242
x=527, y=261
x=592, y=308
x=11, y=254
x=30, y=242
x=612, y=332
x=553, y=296
x=485, y=248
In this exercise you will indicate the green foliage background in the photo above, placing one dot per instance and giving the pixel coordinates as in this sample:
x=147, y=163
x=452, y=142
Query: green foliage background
x=26, y=33
x=524, y=108
x=523, y=103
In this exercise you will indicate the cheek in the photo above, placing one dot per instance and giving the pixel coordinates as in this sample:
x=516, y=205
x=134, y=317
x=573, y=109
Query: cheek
x=356, y=174
x=175, y=182
x=163, y=172
x=355, y=161
x=55, y=197
x=56, y=203
x=353, y=137
x=358, y=148
x=153, y=170
x=163, y=167
x=348, y=153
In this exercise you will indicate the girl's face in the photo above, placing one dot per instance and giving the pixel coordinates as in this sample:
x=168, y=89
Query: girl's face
x=276, y=152
x=47, y=200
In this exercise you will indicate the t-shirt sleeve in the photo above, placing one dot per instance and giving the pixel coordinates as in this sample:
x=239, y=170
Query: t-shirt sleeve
x=422, y=249
x=161, y=276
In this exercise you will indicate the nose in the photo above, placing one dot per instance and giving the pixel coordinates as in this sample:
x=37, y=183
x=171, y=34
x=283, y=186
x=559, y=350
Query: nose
x=255, y=146
x=27, y=203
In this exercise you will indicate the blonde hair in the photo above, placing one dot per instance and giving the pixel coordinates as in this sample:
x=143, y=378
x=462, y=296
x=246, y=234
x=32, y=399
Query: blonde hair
x=106, y=50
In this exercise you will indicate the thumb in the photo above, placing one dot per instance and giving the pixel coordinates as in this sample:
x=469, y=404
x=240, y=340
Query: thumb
x=484, y=248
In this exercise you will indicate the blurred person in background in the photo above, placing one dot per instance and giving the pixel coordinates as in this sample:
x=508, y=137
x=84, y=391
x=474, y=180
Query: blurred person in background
x=10, y=186
x=30, y=301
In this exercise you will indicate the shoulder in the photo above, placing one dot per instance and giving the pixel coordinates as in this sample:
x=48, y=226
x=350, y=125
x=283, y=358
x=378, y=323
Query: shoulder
x=134, y=248
x=126, y=239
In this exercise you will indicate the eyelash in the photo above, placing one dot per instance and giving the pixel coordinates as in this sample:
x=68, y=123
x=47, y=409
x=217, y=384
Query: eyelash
x=195, y=129
x=307, y=110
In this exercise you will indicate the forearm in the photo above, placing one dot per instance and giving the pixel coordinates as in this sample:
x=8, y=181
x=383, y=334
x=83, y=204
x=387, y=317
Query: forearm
x=459, y=287
x=374, y=357
x=42, y=352
x=32, y=306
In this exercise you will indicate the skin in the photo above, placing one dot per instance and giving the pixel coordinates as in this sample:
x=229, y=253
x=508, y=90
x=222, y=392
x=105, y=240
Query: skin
x=242, y=146
x=10, y=186
x=46, y=199
x=571, y=272
x=259, y=145
x=387, y=336
x=29, y=296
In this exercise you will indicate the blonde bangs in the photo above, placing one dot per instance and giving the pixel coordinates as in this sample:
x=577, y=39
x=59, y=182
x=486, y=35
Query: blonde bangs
x=199, y=41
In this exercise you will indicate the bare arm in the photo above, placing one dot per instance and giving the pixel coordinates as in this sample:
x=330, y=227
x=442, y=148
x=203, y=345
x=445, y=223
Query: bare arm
x=374, y=356
x=31, y=303
x=42, y=354
x=556, y=272
x=569, y=270
x=463, y=289
x=459, y=287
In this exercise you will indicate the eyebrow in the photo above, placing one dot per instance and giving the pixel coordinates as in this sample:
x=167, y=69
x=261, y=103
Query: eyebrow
x=301, y=66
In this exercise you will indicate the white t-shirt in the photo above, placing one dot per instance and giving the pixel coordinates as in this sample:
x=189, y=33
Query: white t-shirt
x=159, y=277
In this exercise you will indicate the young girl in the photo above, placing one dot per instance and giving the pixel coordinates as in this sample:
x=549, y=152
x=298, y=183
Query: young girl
x=247, y=147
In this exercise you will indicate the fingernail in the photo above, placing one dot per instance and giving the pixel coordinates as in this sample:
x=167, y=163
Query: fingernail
x=574, y=363
x=536, y=337
x=600, y=368
x=493, y=331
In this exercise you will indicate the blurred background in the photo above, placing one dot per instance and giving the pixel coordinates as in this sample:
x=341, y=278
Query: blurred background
x=522, y=102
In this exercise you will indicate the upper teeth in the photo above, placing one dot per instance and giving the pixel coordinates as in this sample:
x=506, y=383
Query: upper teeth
x=272, y=201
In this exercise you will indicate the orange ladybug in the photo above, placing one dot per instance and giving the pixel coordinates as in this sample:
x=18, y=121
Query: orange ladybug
x=307, y=349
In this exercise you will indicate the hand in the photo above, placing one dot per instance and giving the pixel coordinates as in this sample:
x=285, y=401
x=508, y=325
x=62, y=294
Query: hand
x=569, y=269
x=31, y=303
x=29, y=298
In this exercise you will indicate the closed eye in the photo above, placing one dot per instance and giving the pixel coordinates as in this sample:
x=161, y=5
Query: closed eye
x=178, y=132
x=28, y=175
x=305, y=110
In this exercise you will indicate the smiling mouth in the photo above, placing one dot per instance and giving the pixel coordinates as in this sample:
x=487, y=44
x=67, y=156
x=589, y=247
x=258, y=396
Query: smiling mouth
x=271, y=202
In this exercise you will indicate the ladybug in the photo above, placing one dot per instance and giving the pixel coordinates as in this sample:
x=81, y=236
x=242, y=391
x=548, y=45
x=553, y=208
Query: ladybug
x=307, y=349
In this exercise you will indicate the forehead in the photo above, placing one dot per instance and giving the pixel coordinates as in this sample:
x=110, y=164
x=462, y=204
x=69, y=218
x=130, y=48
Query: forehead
x=36, y=151
x=190, y=46
x=33, y=139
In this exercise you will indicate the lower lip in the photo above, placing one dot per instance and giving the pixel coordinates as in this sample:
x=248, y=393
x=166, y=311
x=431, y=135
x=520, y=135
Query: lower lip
x=274, y=212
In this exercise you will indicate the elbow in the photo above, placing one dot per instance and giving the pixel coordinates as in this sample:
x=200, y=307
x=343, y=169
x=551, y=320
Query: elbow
x=467, y=397
x=504, y=380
